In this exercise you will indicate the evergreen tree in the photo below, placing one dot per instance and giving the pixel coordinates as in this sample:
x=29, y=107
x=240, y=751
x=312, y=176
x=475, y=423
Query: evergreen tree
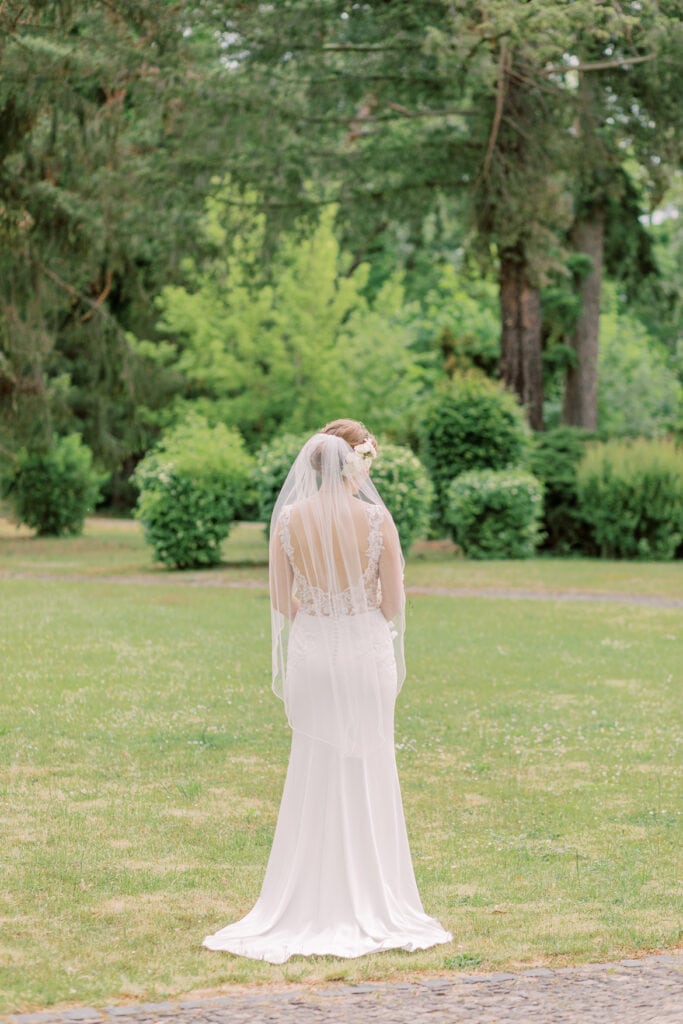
x=385, y=109
x=105, y=159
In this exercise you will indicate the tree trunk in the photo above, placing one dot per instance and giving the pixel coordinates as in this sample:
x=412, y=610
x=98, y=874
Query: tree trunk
x=581, y=385
x=520, y=363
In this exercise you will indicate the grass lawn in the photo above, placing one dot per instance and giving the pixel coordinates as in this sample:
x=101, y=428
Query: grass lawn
x=116, y=547
x=142, y=758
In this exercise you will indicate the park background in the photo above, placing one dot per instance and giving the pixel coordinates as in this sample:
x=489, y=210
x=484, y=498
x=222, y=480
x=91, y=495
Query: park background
x=223, y=225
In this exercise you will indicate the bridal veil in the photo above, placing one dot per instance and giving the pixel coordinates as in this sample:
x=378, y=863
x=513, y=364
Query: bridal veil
x=328, y=530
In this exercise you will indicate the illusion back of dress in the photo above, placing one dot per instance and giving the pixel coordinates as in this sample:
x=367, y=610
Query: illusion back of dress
x=335, y=572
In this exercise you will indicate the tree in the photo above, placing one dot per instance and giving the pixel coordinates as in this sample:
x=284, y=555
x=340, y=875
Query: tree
x=628, y=132
x=288, y=348
x=385, y=109
x=104, y=162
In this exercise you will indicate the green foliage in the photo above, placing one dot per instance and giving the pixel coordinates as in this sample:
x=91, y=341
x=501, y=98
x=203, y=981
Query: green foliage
x=496, y=513
x=631, y=493
x=399, y=476
x=471, y=423
x=53, y=490
x=554, y=459
x=639, y=392
x=279, y=352
x=460, y=321
x=274, y=462
x=462, y=961
x=406, y=490
x=190, y=488
x=658, y=303
x=105, y=159
x=388, y=111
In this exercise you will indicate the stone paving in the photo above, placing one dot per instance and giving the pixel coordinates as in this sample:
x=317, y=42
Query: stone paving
x=646, y=991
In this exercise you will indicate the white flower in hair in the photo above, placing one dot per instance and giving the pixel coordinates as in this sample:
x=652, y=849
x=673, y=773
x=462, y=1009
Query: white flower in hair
x=365, y=449
x=357, y=462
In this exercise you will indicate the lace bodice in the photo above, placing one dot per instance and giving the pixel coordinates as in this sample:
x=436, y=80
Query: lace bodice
x=363, y=595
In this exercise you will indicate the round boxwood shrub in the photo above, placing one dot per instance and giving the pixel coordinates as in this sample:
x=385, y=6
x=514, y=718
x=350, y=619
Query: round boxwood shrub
x=273, y=463
x=496, y=513
x=554, y=459
x=631, y=493
x=406, y=490
x=471, y=423
x=190, y=487
x=399, y=476
x=53, y=490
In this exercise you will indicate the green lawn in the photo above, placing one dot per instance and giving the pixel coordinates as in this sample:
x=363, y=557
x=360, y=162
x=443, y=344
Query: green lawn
x=142, y=757
x=116, y=547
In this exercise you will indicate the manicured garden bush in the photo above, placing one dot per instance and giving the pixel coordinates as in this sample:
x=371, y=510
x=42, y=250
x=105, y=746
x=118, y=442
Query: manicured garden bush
x=399, y=476
x=554, y=459
x=273, y=463
x=496, y=513
x=406, y=490
x=53, y=490
x=631, y=494
x=190, y=485
x=471, y=423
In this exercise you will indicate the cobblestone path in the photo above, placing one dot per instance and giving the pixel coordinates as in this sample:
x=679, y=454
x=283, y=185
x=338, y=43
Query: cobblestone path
x=647, y=991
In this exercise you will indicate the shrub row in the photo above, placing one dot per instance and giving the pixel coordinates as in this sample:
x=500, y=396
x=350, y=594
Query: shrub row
x=631, y=495
x=53, y=489
x=191, y=486
x=471, y=423
x=399, y=476
x=497, y=491
x=495, y=513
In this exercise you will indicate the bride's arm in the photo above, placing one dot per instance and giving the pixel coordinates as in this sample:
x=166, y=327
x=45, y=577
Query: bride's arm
x=391, y=571
x=281, y=579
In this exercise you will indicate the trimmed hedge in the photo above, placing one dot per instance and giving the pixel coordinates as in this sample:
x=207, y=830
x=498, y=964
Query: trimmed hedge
x=273, y=463
x=496, y=513
x=471, y=423
x=406, y=490
x=52, y=491
x=631, y=494
x=191, y=485
x=399, y=476
x=554, y=459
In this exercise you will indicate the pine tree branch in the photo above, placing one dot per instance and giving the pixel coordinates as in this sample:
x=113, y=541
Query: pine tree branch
x=358, y=47
x=361, y=253
x=100, y=298
x=503, y=68
x=598, y=65
x=10, y=456
x=402, y=113
x=405, y=112
x=95, y=304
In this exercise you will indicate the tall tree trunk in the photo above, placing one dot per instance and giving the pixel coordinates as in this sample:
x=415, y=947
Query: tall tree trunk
x=581, y=386
x=520, y=363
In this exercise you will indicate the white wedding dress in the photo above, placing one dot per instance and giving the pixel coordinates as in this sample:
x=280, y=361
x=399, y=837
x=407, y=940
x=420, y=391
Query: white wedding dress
x=339, y=880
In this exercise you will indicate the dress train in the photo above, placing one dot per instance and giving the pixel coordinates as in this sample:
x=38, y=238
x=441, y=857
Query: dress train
x=339, y=880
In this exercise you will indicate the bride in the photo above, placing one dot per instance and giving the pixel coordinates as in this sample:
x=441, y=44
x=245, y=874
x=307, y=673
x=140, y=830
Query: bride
x=339, y=879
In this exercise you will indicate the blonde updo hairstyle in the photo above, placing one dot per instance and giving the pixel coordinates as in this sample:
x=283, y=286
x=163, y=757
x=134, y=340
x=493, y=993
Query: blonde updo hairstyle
x=352, y=431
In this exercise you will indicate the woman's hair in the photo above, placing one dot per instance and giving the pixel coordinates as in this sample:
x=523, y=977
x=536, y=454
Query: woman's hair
x=352, y=431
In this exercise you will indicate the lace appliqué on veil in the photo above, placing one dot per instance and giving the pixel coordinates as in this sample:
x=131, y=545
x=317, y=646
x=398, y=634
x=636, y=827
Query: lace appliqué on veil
x=363, y=595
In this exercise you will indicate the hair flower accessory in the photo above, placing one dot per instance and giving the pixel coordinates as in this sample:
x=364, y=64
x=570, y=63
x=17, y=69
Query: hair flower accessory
x=365, y=449
x=357, y=463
